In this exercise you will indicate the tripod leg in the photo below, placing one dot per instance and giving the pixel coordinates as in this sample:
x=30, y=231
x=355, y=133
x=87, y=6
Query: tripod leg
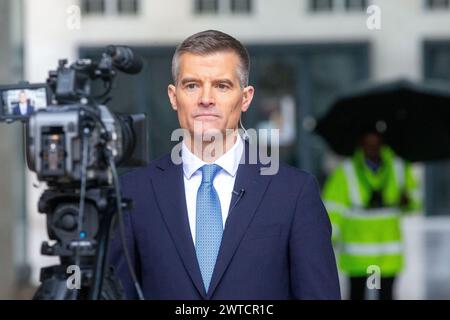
x=112, y=289
x=55, y=289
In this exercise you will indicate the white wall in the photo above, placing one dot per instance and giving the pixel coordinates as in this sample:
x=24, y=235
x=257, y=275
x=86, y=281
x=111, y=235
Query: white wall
x=396, y=48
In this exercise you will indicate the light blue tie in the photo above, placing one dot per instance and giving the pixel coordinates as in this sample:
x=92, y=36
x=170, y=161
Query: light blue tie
x=209, y=227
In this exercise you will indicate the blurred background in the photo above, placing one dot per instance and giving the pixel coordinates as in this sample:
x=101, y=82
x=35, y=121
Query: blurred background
x=304, y=53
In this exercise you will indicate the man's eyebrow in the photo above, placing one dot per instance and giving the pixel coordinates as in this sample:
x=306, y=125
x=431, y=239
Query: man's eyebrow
x=226, y=81
x=186, y=80
x=191, y=79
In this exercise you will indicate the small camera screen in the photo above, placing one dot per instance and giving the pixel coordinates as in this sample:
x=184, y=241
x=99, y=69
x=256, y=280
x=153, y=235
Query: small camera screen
x=21, y=102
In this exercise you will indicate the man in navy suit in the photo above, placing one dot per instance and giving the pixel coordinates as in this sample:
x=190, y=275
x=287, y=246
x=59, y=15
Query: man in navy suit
x=23, y=107
x=213, y=226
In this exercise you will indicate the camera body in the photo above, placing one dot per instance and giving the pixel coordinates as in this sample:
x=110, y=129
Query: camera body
x=54, y=140
x=74, y=143
x=57, y=115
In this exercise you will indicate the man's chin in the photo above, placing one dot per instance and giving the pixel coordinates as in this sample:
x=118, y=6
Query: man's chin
x=207, y=135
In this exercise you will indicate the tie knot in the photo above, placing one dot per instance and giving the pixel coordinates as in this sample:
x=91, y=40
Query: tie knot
x=209, y=172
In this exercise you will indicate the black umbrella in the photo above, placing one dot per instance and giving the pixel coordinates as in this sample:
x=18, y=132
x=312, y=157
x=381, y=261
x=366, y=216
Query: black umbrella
x=413, y=118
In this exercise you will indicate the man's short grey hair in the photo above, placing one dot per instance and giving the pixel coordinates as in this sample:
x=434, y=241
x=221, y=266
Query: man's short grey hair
x=209, y=42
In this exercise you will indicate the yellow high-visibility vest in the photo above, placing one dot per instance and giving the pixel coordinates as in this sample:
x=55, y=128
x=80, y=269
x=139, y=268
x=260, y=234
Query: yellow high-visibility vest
x=363, y=235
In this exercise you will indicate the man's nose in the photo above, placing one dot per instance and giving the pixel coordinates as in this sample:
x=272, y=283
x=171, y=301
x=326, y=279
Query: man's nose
x=206, y=97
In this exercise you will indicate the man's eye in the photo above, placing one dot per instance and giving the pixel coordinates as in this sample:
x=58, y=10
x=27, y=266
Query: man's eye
x=191, y=86
x=222, y=86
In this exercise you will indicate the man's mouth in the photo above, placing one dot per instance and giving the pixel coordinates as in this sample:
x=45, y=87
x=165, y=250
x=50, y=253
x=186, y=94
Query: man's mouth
x=206, y=116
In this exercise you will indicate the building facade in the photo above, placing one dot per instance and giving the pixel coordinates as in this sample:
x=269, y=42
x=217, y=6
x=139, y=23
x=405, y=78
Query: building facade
x=303, y=53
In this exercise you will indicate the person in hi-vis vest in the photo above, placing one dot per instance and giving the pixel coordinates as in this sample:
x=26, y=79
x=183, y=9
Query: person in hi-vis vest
x=365, y=198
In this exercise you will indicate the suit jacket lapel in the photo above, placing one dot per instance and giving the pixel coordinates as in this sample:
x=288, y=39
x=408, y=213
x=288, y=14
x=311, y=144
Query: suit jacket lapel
x=169, y=190
x=241, y=213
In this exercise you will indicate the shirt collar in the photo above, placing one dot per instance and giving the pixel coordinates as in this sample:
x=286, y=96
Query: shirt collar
x=228, y=161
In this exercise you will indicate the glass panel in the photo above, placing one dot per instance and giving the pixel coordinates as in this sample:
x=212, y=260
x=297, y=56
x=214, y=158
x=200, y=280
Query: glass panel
x=437, y=4
x=241, y=6
x=321, y=5
x=437, y=257
x=330, y=73
x=274, y=105
x=206, y=6
x=93, y=6
x=437, y=67
x=356, y=5
x=128, y=6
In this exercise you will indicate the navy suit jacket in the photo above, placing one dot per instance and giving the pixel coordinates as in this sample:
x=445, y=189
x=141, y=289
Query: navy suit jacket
x=16, y=110
x=276, y=242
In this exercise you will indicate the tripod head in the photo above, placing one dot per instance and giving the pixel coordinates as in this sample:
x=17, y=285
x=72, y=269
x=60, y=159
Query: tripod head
x=84, y=254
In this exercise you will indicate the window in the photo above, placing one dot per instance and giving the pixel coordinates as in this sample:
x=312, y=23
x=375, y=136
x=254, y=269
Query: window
x=437, y=4
x=321, y=5
x=222, y=6
x=93, y=6
x=356, y=5
x=436, y=60
x=128, y=7
x=338, y=5
x=241, y=6
x=110, y=7
x=206, y=6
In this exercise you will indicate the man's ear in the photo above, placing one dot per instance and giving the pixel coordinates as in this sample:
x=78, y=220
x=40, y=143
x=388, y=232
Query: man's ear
x=171, y=91
x=247, y=97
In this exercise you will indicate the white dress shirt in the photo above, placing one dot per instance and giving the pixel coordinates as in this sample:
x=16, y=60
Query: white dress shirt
x=223, y=182
x=23, y=108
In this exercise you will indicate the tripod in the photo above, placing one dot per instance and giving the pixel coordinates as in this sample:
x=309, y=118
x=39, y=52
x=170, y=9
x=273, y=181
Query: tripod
x=82, y=253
